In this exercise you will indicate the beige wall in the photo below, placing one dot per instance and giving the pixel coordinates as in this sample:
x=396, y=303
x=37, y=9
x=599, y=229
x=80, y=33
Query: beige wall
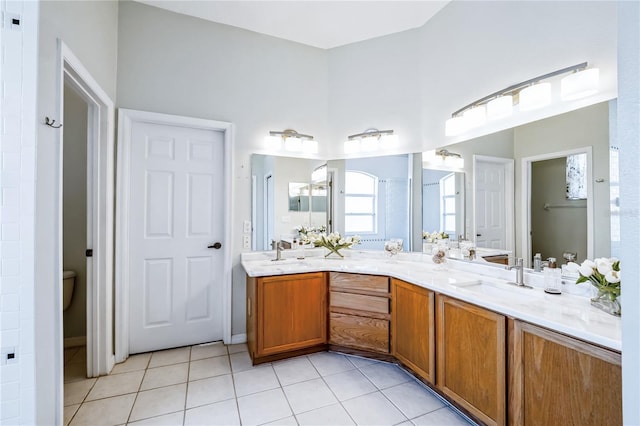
x=74, y=209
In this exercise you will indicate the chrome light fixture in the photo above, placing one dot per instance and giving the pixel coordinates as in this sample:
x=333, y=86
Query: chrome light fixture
x=528, y=95
x=371, y=140
x=442, y=159
x=291, y=141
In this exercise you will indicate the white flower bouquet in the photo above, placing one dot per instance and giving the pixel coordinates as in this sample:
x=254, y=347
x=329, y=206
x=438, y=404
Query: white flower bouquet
x=434, y=236
x=333, y=242
x=304, y=230
x=604, y=274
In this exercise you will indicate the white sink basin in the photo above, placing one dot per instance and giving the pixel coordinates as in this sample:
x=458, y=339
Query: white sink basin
x=495, y=289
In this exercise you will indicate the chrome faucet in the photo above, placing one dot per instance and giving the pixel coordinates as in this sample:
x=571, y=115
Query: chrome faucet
x=279, y=249
x=519, y=267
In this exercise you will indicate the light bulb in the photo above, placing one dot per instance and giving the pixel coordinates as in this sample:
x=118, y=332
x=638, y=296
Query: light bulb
x=455, y=126
x=475, y=117
x=500, y=107
x=580, y=84
x=535, y=96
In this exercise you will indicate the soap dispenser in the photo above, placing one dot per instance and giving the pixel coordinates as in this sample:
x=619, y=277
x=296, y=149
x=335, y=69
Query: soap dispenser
x=537, y=262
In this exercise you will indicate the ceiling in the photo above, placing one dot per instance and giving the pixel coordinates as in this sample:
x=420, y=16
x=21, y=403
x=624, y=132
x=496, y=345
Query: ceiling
x=323, y=24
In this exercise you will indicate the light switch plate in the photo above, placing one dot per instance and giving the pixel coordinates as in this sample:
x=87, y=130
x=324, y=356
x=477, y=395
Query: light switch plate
x=286, y=219
x=8, y=355
x=246, y=227
x=246, y=241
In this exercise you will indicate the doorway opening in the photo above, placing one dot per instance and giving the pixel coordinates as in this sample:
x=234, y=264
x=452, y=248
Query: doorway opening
x=98, y=208
x=75, y=196
x=551, y=208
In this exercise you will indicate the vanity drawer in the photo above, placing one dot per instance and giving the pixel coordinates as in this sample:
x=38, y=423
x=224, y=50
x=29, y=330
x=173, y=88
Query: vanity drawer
x=359, y=283
x=360, y=302
x=359, y=332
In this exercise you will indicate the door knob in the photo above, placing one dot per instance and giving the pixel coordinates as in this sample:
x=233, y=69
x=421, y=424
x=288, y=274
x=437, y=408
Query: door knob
x=215, y=245
x=478, y=235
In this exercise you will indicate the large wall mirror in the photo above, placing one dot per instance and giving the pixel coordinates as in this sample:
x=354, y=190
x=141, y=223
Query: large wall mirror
x=510, y=195
x=517, y=197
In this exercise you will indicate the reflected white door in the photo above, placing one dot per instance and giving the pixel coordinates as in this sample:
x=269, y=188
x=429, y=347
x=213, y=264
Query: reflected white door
x=175, y=213
x=490, y=211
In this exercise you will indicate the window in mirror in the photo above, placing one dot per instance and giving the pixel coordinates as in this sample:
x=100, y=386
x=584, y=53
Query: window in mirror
x=577, y=177
x=360, y=202
x=448, y=204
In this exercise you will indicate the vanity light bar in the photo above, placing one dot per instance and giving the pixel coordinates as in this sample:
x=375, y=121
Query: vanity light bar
x=370, y=140
x=370, y=132
x=528, y=94
x=291, y=141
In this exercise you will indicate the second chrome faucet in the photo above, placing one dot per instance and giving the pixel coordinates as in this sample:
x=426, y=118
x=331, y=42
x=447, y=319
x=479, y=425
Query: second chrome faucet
x=519, y=267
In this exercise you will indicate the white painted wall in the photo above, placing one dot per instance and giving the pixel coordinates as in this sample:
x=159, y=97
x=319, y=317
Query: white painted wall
x=74, y=209
x=89, y=29
x=628, y=136
x=376, y=84
x=473, y=48
x=17, y=213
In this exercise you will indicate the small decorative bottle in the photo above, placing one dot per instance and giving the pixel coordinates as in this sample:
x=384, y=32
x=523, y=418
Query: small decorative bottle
x=300, y=251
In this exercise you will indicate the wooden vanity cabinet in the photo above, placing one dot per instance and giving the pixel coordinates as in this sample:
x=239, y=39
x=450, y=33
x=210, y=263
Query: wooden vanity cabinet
x=413, y=327
x=556, y=379
x=286, y=313
x=471, y=358
x=359, y=314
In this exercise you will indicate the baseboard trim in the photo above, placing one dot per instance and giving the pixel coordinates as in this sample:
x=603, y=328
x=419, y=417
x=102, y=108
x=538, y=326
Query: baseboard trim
x=238, y=338
x=72, y=342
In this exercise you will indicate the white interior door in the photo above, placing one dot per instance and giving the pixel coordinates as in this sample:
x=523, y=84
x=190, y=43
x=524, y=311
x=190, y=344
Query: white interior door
x=175, y=214
x=490, y=212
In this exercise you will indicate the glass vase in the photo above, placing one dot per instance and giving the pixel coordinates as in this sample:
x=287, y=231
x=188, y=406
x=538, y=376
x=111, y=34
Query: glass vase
x=607, y=302
x=333, y=254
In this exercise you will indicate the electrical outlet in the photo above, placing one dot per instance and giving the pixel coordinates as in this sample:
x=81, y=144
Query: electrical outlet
x=246, y=227
x=286, y=219
x=246, y=241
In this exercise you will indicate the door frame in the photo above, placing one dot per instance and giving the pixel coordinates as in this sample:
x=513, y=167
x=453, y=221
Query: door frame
x=126, y=118
x=526, y=199
x=100, y=172
x=509, y=195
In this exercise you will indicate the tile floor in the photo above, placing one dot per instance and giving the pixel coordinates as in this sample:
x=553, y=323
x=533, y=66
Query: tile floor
x=214, y=384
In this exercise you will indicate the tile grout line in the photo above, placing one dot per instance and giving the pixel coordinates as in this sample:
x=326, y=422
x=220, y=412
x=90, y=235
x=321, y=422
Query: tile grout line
x=139, y=386
x=186, y=389
x=235, y=393
x=285, y=398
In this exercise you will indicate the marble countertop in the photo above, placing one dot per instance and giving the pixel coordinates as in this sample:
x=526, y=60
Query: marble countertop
x=480, y=284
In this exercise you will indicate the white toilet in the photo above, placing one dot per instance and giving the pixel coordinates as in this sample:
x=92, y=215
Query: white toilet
x=68, y=281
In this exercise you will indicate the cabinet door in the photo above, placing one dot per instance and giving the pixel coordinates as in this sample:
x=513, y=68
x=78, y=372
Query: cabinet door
x=471, y=361
x=292, y=312
x=556, y=379
x=413, y=330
